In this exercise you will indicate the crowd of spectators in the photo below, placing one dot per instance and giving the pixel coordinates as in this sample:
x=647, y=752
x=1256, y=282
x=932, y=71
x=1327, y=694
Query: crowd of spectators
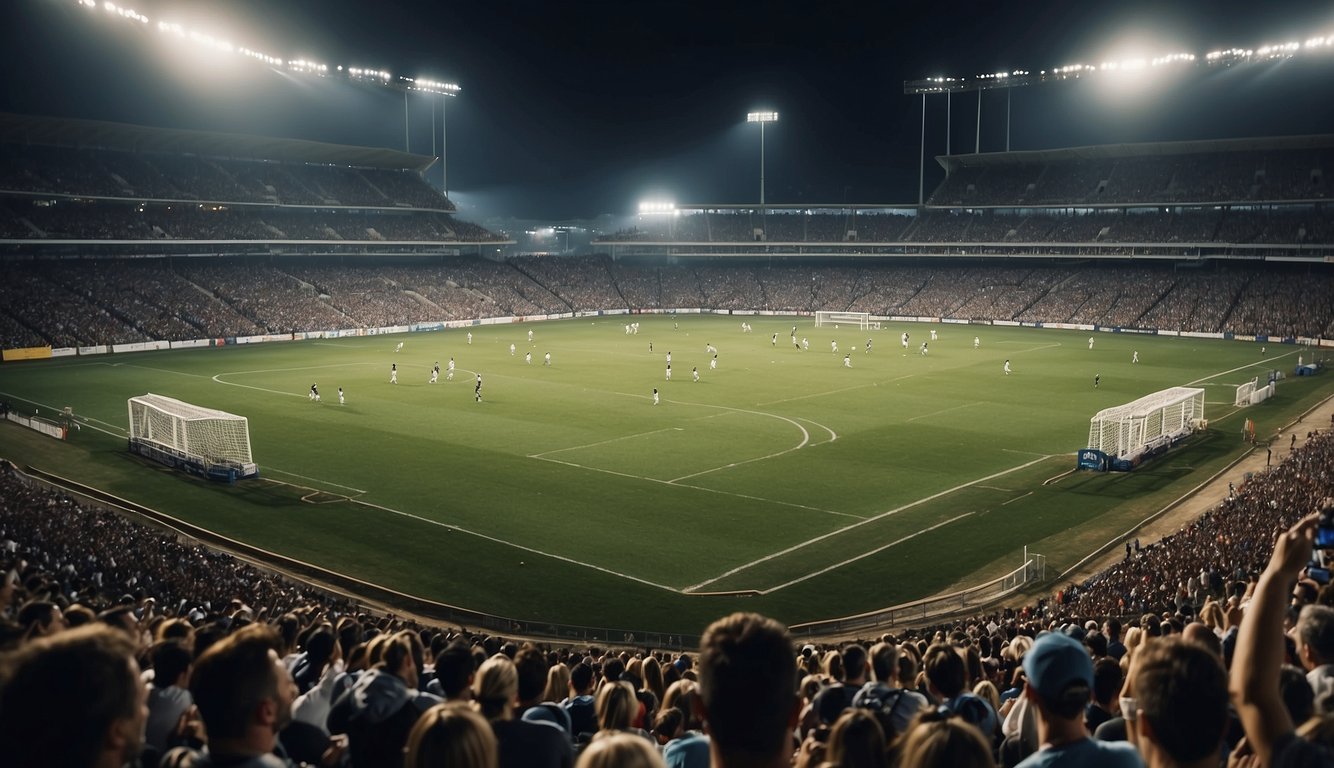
x=1180, y=177
x=188, y=656
x=156, y=176
x=119, y=301
x=1301, y=224
x=85, y=220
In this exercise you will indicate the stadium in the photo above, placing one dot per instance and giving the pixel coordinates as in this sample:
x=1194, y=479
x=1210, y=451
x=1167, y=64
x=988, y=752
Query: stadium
x=256, y=379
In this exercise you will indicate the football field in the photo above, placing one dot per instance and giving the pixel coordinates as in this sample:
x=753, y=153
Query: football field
x=783, y=481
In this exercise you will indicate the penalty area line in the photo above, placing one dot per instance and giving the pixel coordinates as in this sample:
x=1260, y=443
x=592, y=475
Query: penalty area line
x=872, y=519
x=314, y=480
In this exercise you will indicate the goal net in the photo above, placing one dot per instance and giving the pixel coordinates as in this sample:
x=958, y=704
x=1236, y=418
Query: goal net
x=211, y=442
x=856, y=319
x=1149, y=423
x=1251, y=392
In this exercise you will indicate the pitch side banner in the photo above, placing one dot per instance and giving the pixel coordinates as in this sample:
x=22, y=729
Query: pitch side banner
x=26, y=353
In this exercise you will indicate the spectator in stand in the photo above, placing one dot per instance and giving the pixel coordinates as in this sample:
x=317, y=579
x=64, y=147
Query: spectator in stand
x=748, y=691
x=938, y=739
x=856, y=741
x=1107, y=681
x=830, y=702
x=451, y=736
x=1060, y=683
x=580, y=705
x=454, y=667
x=620, y=750
x=1315, y=647
x=947, y=674
x=893, y=706
x=168, y=695
x=244, y=694
x=1270, y=733
x=522, y=744
x=38, y=726
x=380, y=708
x=1177, y=707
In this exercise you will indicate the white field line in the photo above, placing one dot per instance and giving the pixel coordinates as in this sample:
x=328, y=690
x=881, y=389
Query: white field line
x=946, y=410
x=1036, y=349
x=997, y=488
x=834, y=391
x=832, y=434
x=520, y=547
x=151, y=368
x=218, y=377
x=865, y=521
x=695, y=487
x=314, y=480
x=1025, y=453
x=602, y=442
x=863, y=555
x=56, y=411
x=1016, y=498
x=1263, y=363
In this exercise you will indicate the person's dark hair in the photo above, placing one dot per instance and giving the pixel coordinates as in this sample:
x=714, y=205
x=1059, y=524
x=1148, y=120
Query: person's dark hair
x=1298, y=698
x=171, y=659
x=945, y=669
x=854, y=661
x=1107, y=679
x=885, y=662
x=36, y=613
x=37, y=724
x=857, y=741
x=1183, y=694
x=453, y=668
x=1096, y=642
x=232, y=677
x=1113, y=629
x=531, y=665
x=612, y=669
x=288, y=626
x=747, y=681
x=581, y=677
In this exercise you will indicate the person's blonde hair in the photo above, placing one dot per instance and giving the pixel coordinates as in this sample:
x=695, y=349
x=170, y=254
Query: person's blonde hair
x=987, y=690
x=558, y=683
x=451, y=736
x=495, y=687
x=616, y=706
x=951, y=742
x=619, y=750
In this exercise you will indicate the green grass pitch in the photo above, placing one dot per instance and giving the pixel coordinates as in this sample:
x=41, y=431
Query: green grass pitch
x=567, y=496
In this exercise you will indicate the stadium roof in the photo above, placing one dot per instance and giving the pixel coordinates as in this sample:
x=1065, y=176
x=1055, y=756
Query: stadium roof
x=1117, y=151
x=124, y=137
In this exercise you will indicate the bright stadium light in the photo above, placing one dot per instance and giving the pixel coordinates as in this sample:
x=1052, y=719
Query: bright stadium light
x=762, y=118
x=657, y=208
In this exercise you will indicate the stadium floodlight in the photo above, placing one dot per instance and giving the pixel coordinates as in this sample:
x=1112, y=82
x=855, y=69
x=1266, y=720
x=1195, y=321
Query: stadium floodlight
x=658, y=208
x=762, y=118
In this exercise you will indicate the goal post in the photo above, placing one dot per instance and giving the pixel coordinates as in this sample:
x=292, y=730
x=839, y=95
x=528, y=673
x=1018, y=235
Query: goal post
x=861, y=320
x=1147, y=425
x=201, y=440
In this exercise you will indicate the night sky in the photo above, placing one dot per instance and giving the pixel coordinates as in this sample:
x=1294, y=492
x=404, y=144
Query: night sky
x=569, y=110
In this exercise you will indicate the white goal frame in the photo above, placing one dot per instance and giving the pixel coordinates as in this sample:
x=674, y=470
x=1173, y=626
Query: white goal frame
x=190, y=434
x=860, y=319
x=1151, y=422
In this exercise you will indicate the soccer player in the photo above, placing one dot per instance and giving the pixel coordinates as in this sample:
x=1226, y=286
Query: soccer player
x=669, y=371
x=1134, y=357
x=847, y=361
x=805, y=344
x=773, y=340
x=833, y=347
x=867, y=348
x=530, y=336
x=449, y=375
x=1097, y=377
x=314, y=393
x=933, y=334
x=528, y=357
x=1007, y=367
x=477, y=390
x=655, y=395
x=904, y=339
x=399, y=348
x=650, y=347
x=695, y=373
x=470, y=337
x=627, y=329
x=511, y=350
x=393, y=373
x=1090, y=342
x=977, y=342
x=669, y=358
x=924, y=349
x=435, y=373
x=340, y=397
x=713, y=364
x=547, y=359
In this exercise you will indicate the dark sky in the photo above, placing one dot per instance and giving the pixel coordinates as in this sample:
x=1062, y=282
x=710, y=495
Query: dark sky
x=574, y=109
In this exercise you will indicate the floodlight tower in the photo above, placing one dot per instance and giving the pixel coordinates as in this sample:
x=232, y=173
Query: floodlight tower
x=762, y=118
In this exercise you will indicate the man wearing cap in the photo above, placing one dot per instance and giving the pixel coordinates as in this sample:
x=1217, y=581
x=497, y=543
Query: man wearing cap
x=1060, y=682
